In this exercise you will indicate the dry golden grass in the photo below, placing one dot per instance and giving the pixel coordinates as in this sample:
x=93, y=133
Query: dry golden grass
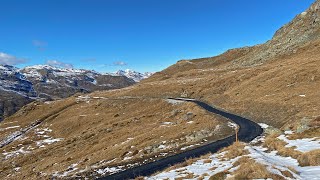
x=207, y=161
x=250, y=169
x=219, y=176
x=102, y=130
x=311, y=158
x=287, y=173
x=185, y=163
x=310, y=133
x=189, y=176
x=235, y=150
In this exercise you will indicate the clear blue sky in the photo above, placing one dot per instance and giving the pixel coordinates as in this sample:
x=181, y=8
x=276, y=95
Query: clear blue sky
x=144, y=35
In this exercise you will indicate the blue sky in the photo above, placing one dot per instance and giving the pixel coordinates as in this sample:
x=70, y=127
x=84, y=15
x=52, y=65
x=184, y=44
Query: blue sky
x=144, y=35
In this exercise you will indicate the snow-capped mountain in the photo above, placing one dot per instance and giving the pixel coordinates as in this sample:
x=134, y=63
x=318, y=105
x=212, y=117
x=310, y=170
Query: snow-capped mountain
x=66, y=82
x=11, y=80
x=136, y=76
x=20, y=86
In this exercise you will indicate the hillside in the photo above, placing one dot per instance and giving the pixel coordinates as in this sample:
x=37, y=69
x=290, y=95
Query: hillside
x=275, y=83
x=43, y=82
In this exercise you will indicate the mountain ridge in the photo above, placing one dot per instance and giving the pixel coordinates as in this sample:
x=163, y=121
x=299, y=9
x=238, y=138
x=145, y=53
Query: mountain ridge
x=49, y=82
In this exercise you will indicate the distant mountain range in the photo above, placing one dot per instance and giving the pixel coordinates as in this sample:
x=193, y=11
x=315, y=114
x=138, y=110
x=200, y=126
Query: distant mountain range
x=21, y=86
x=136, y=76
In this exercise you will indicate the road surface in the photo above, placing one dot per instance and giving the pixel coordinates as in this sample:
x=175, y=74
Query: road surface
x=248, y=130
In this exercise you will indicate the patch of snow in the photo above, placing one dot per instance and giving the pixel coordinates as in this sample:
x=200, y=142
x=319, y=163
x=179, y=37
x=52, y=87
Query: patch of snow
x=127, y=158
x=134, y=75
x=109, y=170
x=18, y=152
x=167, y=123
x=288, y=132
x=162, y=146
x=187, y=147
x=174, y=102
x=199, y=167
x=303, y=145
x=273, y=162
x=41, y=143
x=12, y=127
x=70, y=169
x=263, y=125
x=17, y=169
x=232, y=125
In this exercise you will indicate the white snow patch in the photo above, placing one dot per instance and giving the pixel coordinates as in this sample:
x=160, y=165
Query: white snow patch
x=174, y=102
x=50, y=140
x=70, y=169
x=288, y=132
x=15, y=153
x=167, y=123
x=109, y=170
x=232, y=125
x=263, y=125
x=11, y=127
x=303, y=145
x=273, y=162
x=198, y=168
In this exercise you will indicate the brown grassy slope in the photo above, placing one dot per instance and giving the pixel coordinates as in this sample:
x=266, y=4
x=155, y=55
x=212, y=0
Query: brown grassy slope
x=272, y=93
x=102, y=130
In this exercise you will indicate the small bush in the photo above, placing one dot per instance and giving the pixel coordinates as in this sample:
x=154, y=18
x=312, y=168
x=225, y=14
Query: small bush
x=235, y=150
x=250, y=169
x=219, y=176
x=311, y=158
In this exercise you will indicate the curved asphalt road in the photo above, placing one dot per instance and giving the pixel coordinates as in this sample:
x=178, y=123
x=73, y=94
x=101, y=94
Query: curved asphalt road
x=248, y=130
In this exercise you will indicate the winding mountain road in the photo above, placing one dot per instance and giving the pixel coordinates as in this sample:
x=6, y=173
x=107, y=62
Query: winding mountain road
x=248, y=130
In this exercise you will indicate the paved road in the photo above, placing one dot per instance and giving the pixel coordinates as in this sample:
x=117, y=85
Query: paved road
x=248, y=130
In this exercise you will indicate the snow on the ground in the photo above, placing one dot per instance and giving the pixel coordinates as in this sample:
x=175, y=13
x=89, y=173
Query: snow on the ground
x=273, y=162
x=83, y=99
x=232, y=125
x=263, y=125
x=71, y=168
x=303, y=145
x=190, y=146
x=24, y=149
x=288, y=132
x=11, y=127
x=15, y=153
x=199, y=167
x=110, y=170
x=50, y=140
x=174, y=102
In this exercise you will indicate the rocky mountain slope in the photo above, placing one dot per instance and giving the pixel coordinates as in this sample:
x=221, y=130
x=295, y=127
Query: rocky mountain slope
x=21, y=86
x=136, y=76
x=276, y=83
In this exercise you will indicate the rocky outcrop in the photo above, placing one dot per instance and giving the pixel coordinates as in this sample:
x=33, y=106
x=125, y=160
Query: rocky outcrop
x=304, y=28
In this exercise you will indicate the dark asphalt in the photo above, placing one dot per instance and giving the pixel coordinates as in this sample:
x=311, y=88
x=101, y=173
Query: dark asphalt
x=248, y=130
